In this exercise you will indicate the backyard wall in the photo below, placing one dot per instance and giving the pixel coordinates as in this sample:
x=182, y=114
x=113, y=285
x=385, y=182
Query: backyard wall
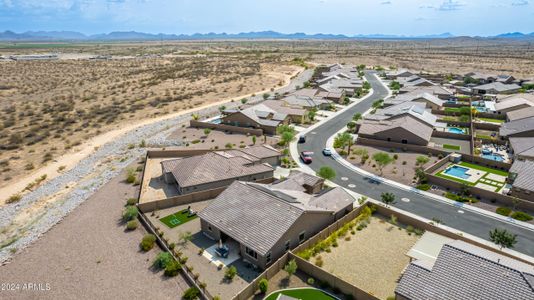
x=224, y=127
x=407, y=147
x=487, y=126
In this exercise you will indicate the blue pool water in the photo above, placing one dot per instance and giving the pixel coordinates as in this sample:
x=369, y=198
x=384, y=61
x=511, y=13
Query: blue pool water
x=481, y=109
x=216, y=121
x=493, y=156
x=458, y=171
x=455, y=130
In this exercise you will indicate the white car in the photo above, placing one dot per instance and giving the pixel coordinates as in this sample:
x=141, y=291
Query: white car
x=327, y=152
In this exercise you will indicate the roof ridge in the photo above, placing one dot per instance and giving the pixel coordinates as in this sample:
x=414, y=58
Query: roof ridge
x=254, y=186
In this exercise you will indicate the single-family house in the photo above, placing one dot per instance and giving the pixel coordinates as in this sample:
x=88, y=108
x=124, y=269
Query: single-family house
x=518, y=128
x=512, y=103
x=480, y=77
x=220, y=168
x=464, y=271
x=400, y=73
x=496, y=88
x=506, y=79
x=428, y=99
x=346, y=86
x=258, y=116
x=522, y=180
x=306, y=102
x=523, y=147
x=409, y=125
x=267, y=220
x=520, y=114
x=435, y=90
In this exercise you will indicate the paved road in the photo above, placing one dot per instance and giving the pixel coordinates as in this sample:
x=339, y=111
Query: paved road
x=464, y=220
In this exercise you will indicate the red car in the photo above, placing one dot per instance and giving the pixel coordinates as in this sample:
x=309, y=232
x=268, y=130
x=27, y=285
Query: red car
x=306, y=156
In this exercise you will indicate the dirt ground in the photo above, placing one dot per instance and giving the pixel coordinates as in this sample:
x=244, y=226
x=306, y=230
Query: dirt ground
x=373, y=259
x=398, y=170
x=90, y=256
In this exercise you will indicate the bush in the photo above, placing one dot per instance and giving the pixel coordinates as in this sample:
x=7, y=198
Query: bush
x=423, y=187
x=172, y=268
x=147, y=242
x=132, y=225
x=191, y=293
x=230, y=273
x=130, y=213
x=162, y=260
x=131, y=201
x=311, y=281
x=521, y=216
x=14, y=198
x=130, y=176
x=263, y=285
x=505, y=211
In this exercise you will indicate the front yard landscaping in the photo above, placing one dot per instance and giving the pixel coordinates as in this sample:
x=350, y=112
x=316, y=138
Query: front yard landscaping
x=452, y=147
x=491, y=120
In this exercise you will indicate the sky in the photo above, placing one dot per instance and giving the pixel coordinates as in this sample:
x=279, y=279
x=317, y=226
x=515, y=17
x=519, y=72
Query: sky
x=349, y=17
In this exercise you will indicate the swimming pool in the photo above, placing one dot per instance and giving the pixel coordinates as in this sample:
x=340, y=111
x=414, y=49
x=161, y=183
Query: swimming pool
x=216, y=121
x=493, y=156
x=458, y=171
x=455, y=130
x=481, y=109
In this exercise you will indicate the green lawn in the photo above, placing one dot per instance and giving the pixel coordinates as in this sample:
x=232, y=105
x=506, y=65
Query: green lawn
x=452, y=109
x=483, y=179
x=178, y=218
x=483, y=137
x=499, y=121
x=302, y=294
x=452, y=147
x=481, y=168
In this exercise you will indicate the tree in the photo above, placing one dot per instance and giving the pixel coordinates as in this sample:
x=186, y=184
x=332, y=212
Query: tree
x=382, y=159
x=503, y=238
x=191, y=293
x=312, y=113
x=162, y=260
x=366, y=85
x=285, y=128
x=378, y=103
x=421, y=160
x=291, y=268
x=230, y=273
x=253, y=140
x=351, y=125
x=394, y=85
x=357, y=117
x=420, y=175
x=207, y=131
x=327, y=173
x=185, y=237
x=342, y=140
x=287, y=137
x=388, y=198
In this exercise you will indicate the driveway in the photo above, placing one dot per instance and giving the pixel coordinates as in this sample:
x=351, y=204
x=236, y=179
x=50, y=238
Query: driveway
x=454, y=216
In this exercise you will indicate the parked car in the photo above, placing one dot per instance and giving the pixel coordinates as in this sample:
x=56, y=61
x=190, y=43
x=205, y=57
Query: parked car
x=306, y=156
x=327, y=152
x=302, y=139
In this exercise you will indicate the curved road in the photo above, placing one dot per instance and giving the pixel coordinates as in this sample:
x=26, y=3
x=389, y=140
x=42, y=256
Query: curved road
x=464, y=220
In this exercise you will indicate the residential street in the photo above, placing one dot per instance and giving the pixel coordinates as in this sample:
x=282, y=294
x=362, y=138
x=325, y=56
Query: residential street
x=453, y=216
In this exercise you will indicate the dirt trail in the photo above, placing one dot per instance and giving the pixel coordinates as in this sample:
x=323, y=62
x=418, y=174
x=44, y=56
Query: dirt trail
x=69, y=160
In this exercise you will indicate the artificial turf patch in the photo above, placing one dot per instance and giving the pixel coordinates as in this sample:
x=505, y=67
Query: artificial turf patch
x=178, y=218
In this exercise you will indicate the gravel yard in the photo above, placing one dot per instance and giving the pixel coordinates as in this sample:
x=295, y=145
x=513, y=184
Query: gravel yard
x=90, y=255
x=378, y=252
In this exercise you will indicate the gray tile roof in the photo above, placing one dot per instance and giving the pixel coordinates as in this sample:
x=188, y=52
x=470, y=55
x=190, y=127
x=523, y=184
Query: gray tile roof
x=523, y=146
x=258, y=215
x=284, y=108
x=296, y=181
x=304, y=101
x=520, y=113
x=464, y=271
x=414, y=96
x=511, y=102
x=524, y=170
x=264, y=115
x=406, y=122
x=433, y=89
x=498, y=86
x=517, y=127
x=212, y=167
x=416, y=110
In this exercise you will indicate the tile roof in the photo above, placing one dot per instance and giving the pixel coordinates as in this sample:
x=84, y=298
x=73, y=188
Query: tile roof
x=413, y=96
x=524, y=170
x=464, y=271
x=258, y=215
x=520, y=113
x=406, y=122
x=285, y=108
x=498, y=86
x=517, y=126
x=296, y=181
x=212, y=167
x=523, y=146
x=414, y=109
x=433, y=89
x=304, y=101
x=264, y=115
x=512, y=102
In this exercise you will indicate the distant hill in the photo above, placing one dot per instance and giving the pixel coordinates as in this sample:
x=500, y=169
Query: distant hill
x=141, y=36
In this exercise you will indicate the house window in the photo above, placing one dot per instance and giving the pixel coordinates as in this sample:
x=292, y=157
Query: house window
x=251, y=253
x=209, y=227
x=405, y=141
x=268, y=257
x=389, y=139
x=287, y=245
x=301, y=236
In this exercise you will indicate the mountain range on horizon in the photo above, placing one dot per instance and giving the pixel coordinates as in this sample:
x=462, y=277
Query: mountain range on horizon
x=141, y=36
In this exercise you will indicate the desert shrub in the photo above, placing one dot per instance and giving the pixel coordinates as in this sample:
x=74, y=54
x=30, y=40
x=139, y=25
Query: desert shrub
x=423, y=187
x=132, y=225
x=29, y=166
x=311, y=281
x=131, y=201
x=319, y=261
x=195, y=142
x=147, y=242
x=521, y=216
x=183, y=259
x=172, y=268
x=505, y=211
x=14, y=198
x=230, y=273
x=263, y=285
x=409, y=228
x=162, y=260
x=130, y=175
x=130, y=213
x=191, y=293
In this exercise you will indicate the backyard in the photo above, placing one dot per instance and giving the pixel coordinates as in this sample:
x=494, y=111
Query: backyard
x=374, y=247
x=474, y=175
x=302, y=294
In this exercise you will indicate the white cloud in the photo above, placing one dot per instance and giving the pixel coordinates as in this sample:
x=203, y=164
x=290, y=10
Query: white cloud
x=385, y=2
x=450, y=5
x=520, y=3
